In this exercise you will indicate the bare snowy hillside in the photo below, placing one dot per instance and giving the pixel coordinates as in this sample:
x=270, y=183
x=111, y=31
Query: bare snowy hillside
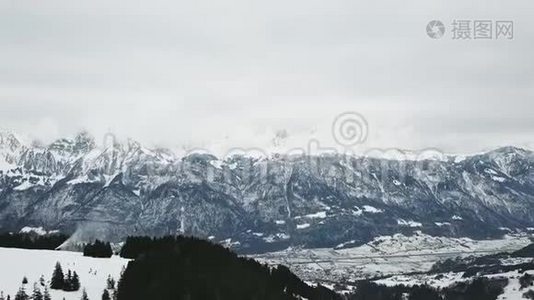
x=32, y=264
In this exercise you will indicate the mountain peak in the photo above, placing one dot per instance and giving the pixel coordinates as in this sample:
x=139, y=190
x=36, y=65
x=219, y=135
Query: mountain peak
x=84, y=142
x=511, y=150
x=10, y=140
x=508, y=154
x=133, y=144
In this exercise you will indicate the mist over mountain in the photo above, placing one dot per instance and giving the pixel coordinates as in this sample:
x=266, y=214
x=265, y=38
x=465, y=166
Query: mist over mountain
x=257, y=204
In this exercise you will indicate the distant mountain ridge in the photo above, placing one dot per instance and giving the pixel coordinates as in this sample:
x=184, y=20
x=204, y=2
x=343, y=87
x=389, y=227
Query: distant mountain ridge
x=259, y=204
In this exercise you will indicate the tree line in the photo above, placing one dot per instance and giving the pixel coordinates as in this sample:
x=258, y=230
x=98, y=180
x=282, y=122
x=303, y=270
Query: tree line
x=98, y=249
x=32, y=240
x=480, y=288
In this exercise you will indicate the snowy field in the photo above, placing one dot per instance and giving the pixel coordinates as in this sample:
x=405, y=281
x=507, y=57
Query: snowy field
x=93, y=272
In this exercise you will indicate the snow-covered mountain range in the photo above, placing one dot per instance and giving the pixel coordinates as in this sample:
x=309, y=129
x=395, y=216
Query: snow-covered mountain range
x=259, y=203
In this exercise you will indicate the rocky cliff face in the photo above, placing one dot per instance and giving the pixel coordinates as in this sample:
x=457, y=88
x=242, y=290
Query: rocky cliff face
x=259, y=204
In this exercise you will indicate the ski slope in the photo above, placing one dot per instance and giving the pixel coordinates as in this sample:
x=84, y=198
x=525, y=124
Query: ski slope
x=93, y=272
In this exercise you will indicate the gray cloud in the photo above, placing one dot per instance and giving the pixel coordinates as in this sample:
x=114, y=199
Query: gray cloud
x=234, y=73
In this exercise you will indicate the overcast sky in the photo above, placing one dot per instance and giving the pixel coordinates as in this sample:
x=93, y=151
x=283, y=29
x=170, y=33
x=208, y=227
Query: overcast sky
x=234, y=73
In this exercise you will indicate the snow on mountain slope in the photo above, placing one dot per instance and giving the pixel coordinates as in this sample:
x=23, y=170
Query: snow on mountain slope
x=93, y=272
x=263, y=203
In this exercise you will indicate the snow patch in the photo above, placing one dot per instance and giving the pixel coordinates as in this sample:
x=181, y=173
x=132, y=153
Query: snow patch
x=303, y=226
x=491, y=171
x=81, y=179
x=279, y=236
x=23, y=186
x=408, y=223
x=216, y=163
x=37, y=230
x=5, y=166
x=499, y=179
x=318, y=215
x=358, y=212
x=371, y=209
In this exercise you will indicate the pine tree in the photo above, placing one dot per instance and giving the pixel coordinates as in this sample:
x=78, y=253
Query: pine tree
x=21, y=295
x=58, y=279
x=67, y=285
x=2, y=295
x=110, y=283
x=105, y=295
x=84, y=295
x=24, y=280
x=37, y=295
x=98, y=249
x=46, y=294
x=42, y=280
x=75, y=282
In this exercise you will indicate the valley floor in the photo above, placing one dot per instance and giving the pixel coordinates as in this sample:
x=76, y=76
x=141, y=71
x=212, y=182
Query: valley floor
x=385, y=256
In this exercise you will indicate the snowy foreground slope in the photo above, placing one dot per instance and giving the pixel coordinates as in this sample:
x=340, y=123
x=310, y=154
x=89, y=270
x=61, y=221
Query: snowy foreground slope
x=93, y=272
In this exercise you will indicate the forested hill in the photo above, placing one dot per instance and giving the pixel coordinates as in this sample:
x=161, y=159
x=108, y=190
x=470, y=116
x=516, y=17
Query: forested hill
x=193, y=269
